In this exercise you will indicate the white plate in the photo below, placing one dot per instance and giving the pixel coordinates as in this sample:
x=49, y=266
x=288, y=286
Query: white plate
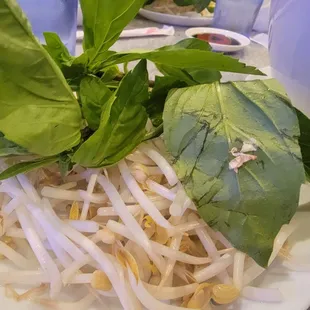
x=293, y=285
x=244, y=41
x=178, y=20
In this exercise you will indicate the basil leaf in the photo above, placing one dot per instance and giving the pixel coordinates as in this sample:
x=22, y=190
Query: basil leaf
x=110, y=73
x=201, y=125
x=104, y=20
x=27, y=166
x=204, y=76
x=184, y=59
x=192, y=76
x=65, y=164
x=33, y=90
x=155, y=105
x=177, y=73
x=10, y=148
x=56, y=48
x=122, y=125
x=94, y=94
x=73, y=68
x=189, y=43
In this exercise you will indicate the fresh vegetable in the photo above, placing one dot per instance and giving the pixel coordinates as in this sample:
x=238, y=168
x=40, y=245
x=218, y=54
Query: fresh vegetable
x=27, y=166
x=103, y=23
x=41, y=117
x=94, y=94
x=202, y=125
x=122, y=125
x=155, y=105
x=37, y=91
x=9, y=148
x=38, y=110
x=304, y=124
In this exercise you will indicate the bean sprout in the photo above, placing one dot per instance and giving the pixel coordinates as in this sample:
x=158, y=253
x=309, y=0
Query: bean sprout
x=127, y=232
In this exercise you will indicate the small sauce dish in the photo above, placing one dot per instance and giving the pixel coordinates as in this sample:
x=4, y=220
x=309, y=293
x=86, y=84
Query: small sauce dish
x=221, y=40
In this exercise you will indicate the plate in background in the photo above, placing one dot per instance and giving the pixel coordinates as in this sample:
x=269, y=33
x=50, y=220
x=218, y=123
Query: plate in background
x=178, y=20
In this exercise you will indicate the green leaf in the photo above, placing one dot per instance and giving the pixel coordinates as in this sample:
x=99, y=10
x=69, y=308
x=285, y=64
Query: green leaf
x=191, y=76
x=122, y=125
x=73, y=68
x=76, y=69
x=204, y=76
x=156, y=132
x=65, y=164
x=38, y=111
x=104, y=20
x=185, y=58
x=155, y=105
x=304, y=141
x=201, y=125
x=56, y=48
x=304, y=124
x=27, y=166
x=189, y=43
x=94, y=95
x=110, y=73
x=178, y=74
x=10, y=148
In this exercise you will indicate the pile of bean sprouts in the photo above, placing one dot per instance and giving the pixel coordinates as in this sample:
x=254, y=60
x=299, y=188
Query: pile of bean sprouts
x=128, y=233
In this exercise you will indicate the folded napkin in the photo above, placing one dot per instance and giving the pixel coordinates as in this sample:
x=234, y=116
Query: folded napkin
x=139, y=32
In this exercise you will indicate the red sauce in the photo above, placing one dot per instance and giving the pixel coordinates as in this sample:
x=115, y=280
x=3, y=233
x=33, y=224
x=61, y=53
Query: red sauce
x=216, y=38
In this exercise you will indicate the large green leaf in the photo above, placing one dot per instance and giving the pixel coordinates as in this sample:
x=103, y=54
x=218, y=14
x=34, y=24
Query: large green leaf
x=37, y=108
x=94, y=94
x=10, y=148
x=184, y=59
x=104, y=20
x=202, y=124
x=122, y=125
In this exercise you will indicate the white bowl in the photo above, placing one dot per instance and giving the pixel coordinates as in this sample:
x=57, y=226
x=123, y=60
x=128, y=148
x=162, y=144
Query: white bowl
x=243, y=41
